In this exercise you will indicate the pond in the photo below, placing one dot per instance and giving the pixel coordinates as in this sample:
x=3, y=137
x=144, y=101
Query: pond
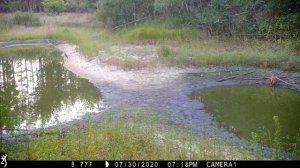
x=246, y=109
x=37, y=91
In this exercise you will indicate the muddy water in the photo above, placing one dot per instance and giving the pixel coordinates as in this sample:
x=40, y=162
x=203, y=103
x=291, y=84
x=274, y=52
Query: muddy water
x=246, y=109
x=38, y=91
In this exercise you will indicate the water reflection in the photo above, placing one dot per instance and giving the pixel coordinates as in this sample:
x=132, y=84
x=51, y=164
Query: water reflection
x=39, y=92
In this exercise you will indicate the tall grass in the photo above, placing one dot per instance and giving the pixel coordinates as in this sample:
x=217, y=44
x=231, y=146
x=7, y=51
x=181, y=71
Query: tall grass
x=28, y=51
x=6, y=22
x=276, y=141
x=216, y=52
x=19, y=18
x=154, y=31
x=26, y=18
x=138, y=135
x=89, y=41
x=187, y=46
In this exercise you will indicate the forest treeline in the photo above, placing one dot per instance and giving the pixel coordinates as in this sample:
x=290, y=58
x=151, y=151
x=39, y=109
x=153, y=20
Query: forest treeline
x=271, y=18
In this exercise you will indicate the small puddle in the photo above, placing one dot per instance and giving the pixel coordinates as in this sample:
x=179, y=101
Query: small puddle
x=246, y=109
x=37, y=91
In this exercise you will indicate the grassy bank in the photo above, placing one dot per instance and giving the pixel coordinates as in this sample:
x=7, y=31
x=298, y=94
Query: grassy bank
x=27, y=51
x=89, y=41
x=230, y=52
x=157, y=32
x=137, y=135
x=187, y=46
x=175, y=46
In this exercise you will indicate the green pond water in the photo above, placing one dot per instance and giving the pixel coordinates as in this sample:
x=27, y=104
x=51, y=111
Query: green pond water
x=37, y=91
x=246, y=109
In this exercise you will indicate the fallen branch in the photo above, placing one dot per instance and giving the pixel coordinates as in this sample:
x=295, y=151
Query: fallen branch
x=235, y=76
x=285, y=82
x=129, y=23
x=254, y=78
x=224, y=79
x=273, y=79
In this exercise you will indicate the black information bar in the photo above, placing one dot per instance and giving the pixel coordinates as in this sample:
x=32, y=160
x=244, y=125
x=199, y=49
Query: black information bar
x=149, y=164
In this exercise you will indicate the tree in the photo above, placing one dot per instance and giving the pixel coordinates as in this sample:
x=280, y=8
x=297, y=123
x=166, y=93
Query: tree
x=21, y=5
x=179, y=12
x=80, y=5
x=119, y=12
x=54, y=6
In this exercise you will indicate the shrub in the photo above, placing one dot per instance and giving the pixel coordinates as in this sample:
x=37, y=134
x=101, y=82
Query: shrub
x=54, y=6
x=26, y=18
x=117, y=13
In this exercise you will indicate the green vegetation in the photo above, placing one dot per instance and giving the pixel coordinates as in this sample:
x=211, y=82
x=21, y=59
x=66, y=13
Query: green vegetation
x=80, y=5
x=178, y=46
x=276, y=141
x=19, y=18
x=134, y=135
x=38, y=5
x=121, y=13
x=89, y=40
x=2, y=109
x=157, y=31
x=26, y=18
x=272, y=19
x=6, y=22
x=54, y=6
x=231, y=52
x=28, y=51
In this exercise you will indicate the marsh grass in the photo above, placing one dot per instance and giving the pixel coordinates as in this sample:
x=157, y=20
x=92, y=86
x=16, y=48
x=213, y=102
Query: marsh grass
x=187, y=47
x=154, y=31
x=216, y=52
x=133, y=135
x=26, y=18
x=28, y=52
x=68, y=19
x=6, y=22
x=89, y=41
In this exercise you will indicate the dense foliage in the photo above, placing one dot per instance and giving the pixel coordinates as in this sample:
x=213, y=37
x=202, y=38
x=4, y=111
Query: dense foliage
x=54, y=6
x=26, y=18
x=21, y=5
x=80, y=5
x=38, y=5
x=275, y=18
x=118, y=12
x=268, y=18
